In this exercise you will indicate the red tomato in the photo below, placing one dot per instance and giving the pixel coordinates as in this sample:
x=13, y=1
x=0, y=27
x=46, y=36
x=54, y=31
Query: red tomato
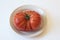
x=27, y=20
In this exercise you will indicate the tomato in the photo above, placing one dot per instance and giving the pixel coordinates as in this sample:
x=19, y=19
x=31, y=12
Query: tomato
x=27, y=20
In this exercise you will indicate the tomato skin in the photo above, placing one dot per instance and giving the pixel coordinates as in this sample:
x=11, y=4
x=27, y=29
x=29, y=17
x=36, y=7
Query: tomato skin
x=21, y=23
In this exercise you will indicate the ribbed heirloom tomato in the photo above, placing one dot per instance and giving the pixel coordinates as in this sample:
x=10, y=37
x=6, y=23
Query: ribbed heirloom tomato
x=27, y=20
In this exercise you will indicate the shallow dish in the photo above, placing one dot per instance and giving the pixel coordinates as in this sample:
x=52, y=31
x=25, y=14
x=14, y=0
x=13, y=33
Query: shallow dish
x=30, y=7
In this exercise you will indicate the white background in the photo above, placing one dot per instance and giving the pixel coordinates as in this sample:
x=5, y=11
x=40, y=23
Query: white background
x=53, y=16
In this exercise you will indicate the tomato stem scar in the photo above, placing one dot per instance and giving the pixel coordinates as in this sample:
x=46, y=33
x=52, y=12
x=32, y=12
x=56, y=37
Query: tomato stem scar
x=27, y=17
